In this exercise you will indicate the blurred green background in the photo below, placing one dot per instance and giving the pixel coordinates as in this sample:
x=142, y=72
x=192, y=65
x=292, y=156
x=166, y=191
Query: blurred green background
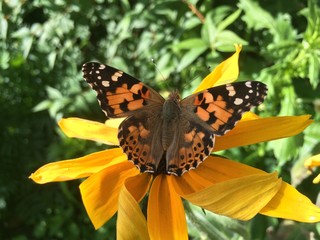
x=43, y=45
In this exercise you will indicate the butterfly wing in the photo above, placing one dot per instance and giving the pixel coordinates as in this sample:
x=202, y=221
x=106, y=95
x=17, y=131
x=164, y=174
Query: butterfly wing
x=121, y=95
x=211, y=112
x=118, y=93
x=222, y=107
x=140, y=138
x=191, y=145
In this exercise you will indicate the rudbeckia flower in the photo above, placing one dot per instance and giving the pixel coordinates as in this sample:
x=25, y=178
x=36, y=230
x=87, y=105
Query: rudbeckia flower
x=226, y=187
x=311, y=163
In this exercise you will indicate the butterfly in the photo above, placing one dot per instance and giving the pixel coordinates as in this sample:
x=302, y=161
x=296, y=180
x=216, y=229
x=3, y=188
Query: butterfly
x=172, y=135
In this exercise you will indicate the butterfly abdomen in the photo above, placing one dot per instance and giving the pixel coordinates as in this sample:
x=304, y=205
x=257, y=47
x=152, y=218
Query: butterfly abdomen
x=170, y=117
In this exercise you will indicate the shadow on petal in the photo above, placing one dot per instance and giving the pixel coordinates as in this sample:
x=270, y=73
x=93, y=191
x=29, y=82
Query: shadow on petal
x=138, y=185
x=241, y=198
x=100, y=192
x=131, y=223
x=213, y=170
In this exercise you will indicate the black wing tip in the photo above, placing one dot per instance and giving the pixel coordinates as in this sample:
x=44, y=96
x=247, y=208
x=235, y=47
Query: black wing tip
x=261, y=91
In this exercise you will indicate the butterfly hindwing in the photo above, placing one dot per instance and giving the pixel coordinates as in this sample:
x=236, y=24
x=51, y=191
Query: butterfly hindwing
x=190, y=147
x=118, y=93
x=139, y=138
x=221, y=107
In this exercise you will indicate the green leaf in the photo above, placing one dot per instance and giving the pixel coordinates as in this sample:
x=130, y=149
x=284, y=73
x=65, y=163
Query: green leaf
x=52, y=58
x=3, y=27
x=284, y=149
x=229, y=20
x=4, y=60
x=209, y=30
x=189, y=44
x=26, y=46
x=314, y=69
x=288, y=101
x=43, y=105
x=53, y=93
x=21, y=33
x=255, y=16
x=226, y=39
x=190, y=56
x=207, y=225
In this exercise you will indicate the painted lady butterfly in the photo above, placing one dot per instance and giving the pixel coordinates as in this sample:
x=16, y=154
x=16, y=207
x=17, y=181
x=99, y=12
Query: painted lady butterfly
x=169, y=136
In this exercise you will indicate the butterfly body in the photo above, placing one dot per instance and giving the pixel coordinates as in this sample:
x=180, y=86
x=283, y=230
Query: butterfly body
x=171, y=112
x=170, y=135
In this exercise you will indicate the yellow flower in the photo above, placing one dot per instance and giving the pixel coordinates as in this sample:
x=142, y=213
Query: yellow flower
x=222, y=186
x=313, y=162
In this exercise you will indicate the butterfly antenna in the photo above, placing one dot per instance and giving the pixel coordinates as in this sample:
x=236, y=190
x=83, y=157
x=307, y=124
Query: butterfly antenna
x=155, y=65
x=195, y=77
x=163, y=78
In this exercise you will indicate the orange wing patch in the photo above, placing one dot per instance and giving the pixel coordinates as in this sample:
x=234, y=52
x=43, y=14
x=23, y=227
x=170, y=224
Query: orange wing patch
x=221, y=107
x=212, y=110
x=135, y=139
x=118, y=93
x=194, y=147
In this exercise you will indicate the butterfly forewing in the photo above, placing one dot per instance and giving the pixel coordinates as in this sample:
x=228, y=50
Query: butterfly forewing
x=118, y=93
x=222, y=107
x=121, y=95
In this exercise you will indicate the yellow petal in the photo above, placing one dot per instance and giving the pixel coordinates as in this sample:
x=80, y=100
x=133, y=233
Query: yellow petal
x=166, y=218
x=114, y=122
x=241, y=198
x=79, y=167
x=100, y=192
x=89, y=130
x=290, y=204
x=313, y=161
x=316, y=180
x=249, y=116
x=138, y=185
x=190, y=182
x=262, y=129
x=213, y=170
x=225, y=72
x=131, y=223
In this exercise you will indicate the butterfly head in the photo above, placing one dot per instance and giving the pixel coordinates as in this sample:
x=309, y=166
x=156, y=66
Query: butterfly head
x=175, y=97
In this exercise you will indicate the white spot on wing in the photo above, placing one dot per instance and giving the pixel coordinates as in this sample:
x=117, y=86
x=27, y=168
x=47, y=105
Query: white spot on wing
x=105, y=83
x=238, y=101
x=248, y=84
x=102, y=66
x=228, y=130
x=116, y=75
x=231, y=90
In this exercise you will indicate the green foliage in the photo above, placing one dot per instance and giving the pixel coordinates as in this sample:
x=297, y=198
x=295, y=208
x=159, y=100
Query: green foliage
x=44, y=43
